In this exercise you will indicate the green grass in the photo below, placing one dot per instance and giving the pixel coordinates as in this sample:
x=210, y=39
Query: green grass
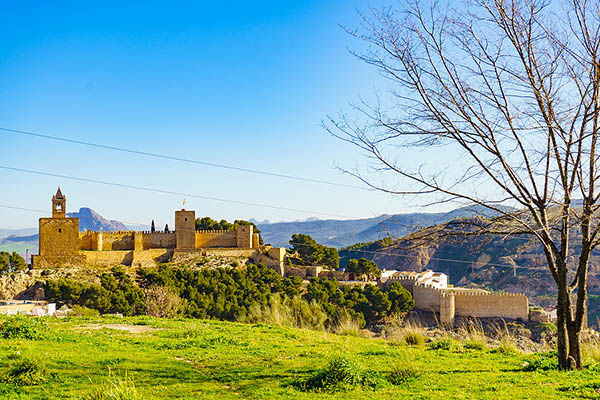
x=187, y=359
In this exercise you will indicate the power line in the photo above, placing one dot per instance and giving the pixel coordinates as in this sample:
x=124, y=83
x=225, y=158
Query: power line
x=123, y=185
x=181, y=159
x=383, y=251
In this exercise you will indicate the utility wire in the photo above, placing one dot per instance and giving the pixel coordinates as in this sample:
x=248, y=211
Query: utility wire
x=181, y=159
x=382, y=252
x=147, y=189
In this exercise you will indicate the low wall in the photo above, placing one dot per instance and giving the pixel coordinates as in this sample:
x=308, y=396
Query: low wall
x=107, y=258
x=206, y=239
x=487, y=305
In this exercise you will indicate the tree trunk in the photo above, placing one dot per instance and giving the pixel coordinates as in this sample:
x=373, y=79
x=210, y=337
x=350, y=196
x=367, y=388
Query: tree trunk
x=575, y=346
x=561, y=326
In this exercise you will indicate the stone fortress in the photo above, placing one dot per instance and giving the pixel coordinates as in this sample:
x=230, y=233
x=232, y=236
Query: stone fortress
x=431, y=292
x=62, y=244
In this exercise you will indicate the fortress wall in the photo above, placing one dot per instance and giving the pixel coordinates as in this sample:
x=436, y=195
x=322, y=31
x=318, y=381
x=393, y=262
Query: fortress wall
x=255, y=240
x=427, y=298
x=205, y=239
x=485, y=304
x=88, y=240
x=107, y=258
x=159, y=240
x=120, y=240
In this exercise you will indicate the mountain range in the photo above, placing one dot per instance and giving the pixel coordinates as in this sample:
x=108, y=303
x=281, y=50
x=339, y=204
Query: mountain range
x=341, y=233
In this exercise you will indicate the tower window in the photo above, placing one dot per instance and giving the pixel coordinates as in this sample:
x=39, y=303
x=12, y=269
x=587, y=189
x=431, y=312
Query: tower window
x=186, y=220
x=59, y=230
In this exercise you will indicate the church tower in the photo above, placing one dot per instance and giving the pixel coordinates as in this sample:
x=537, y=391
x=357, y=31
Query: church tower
x=59, y=205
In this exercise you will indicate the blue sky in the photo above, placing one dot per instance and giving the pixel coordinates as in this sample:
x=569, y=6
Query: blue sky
x=238, y=83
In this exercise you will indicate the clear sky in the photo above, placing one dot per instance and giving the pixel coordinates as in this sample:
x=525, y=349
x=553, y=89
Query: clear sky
x=238, y=83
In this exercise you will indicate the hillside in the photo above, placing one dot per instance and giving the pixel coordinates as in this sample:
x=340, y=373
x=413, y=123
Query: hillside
x=206, y=359
x=503, y=263
x=340, y=233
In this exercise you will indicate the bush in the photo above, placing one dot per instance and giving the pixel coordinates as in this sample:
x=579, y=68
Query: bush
x=21, y=327
x=414, y=338
x=401, y=376
x=162, y=302
x=26, y=372
x=341, y=374
x=442, y=344
x=541, y=362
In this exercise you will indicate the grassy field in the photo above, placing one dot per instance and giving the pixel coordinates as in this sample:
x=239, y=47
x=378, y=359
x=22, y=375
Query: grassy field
x=186, y=359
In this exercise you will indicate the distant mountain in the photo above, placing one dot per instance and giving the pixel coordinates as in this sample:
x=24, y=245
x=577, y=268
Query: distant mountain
x=20, y=239
x=90, y=220
x=341, y=233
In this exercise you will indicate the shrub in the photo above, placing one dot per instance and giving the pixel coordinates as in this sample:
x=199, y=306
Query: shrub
x=403, y=375
x=162, y=302
x=21, y=327
x=541, y=362
x=341, y=374
x=26, y=372
x=116, y=388
x=442, y=344
x=414, y=338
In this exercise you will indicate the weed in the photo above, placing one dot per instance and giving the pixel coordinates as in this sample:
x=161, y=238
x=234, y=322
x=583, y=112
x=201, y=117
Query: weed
x=403, y=375
x=346, y=325
x=474, y=336
x=442, y=344
x=26, y=372
x=541, y=362
x=20, y=327
x=116, y=388
x=340, y=375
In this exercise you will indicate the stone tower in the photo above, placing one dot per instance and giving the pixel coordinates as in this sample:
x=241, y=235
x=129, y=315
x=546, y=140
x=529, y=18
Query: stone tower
x=59, y=236
x=185, y=229
x=59, y=205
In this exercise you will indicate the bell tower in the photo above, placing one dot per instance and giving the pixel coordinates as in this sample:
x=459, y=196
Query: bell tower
x=59, y=203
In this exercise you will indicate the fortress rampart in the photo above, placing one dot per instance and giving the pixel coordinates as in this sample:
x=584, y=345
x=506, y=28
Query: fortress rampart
x=61, y=243
x=449, y=302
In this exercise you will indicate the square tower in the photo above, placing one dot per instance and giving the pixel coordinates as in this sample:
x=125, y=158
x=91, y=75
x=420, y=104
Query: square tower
x=185, y=229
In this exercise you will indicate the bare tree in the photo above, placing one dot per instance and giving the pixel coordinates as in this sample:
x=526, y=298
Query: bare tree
x=511, y=88
x=162, y=302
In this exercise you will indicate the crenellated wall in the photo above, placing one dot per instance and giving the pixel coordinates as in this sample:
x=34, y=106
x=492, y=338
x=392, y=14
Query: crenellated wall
x=486, y=304
x=159, y=240
x=217, y=238
x=426, y=297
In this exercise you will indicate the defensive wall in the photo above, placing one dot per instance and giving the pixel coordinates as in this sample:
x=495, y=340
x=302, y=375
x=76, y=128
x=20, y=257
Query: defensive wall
x=450, y=301
x=62, y=244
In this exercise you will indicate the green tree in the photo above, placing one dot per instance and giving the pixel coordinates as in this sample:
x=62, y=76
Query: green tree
x=314, y=253
x=363, y=267
x=401, y=298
